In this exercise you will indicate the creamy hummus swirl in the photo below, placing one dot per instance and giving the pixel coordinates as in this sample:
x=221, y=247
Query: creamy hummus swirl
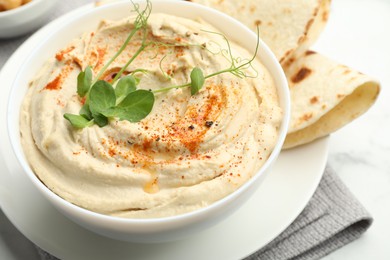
x=189, y=152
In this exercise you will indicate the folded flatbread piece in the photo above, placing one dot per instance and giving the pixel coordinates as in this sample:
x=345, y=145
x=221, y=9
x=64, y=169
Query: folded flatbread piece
x=325, y=95
x=288, y=27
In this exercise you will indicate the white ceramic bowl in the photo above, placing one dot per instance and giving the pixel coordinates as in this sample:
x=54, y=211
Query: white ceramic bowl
x=159, y=229
x=25, y=18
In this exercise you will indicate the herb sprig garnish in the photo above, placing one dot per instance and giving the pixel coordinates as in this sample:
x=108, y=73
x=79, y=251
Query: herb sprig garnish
x=125, y=101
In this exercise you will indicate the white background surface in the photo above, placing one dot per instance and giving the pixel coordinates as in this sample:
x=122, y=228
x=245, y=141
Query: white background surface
x=357, y=35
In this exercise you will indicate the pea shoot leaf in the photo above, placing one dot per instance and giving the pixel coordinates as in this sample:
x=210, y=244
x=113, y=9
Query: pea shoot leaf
x=136, y=106
x=124, y=86
x=100, y=119
x=78, y=121
x=84, y=81
x=197, y=80
x=86, y=112
x=101, y=97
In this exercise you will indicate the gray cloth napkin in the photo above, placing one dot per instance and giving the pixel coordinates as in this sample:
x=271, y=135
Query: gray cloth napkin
x=332, y=218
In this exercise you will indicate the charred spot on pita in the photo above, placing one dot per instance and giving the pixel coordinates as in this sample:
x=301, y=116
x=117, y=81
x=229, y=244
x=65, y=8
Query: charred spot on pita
x=314, y=100
x=308, y=25
x=309, y=52
x=301, y=75
x=290, y=61
x=285, y=56
x=306, y=117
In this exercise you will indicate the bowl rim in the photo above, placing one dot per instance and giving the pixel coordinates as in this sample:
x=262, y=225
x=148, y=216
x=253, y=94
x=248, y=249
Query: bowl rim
x=77, y=210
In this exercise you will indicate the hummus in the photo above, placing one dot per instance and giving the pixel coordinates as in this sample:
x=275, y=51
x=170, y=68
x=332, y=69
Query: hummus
x=189, y=152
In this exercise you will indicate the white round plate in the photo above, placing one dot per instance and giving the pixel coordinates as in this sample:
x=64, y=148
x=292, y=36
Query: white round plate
x=274, y=206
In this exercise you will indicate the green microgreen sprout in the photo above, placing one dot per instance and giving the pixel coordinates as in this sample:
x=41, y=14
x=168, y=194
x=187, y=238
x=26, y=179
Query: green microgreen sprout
x=120, y=98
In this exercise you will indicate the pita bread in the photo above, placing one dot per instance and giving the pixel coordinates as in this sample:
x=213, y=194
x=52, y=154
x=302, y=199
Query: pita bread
x=325, y=95
x=285, y=26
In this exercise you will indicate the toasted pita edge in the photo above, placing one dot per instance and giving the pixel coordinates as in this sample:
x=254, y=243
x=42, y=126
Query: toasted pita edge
x=313, y=29
x=350, y=108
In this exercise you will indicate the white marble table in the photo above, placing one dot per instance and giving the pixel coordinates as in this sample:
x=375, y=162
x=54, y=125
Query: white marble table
x=360, y=152
x=357, y=35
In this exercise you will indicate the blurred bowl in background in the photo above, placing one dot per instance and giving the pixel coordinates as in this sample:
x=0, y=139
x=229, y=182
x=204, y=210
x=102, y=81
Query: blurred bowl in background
x=24, y=19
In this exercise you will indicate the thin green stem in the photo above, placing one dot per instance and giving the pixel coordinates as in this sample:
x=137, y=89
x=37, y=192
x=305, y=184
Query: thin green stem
x=140, y=22
x=139, y=71
x=143, y=46
x=121, y=49
x=189, y=84
x=255, y=53
x=171, y=87
x=219, y=72
x=140, y=49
